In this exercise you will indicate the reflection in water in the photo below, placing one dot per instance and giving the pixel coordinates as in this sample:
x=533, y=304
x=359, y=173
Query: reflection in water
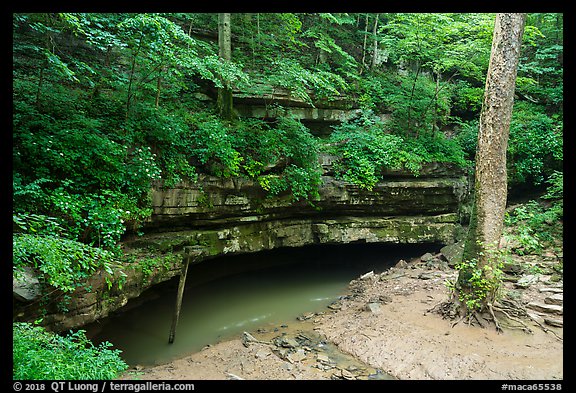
x=227, y=296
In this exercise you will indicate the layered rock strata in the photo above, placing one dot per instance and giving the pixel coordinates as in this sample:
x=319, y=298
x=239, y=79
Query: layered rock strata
x=216, y=216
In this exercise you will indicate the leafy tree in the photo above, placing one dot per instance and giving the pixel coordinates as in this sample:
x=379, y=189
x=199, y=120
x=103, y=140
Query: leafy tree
x=478, y=280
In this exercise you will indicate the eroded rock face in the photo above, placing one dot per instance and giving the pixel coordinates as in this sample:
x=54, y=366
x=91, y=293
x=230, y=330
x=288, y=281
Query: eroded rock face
x=217, y=216
x=214, y=201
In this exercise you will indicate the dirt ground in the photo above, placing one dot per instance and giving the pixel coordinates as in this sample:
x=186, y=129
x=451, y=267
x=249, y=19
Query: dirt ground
x=384, y=329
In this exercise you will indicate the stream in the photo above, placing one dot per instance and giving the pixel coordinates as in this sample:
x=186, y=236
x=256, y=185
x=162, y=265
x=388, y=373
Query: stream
x=228, y=295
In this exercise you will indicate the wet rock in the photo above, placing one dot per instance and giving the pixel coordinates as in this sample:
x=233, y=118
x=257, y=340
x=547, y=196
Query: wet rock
x=334, y=306
x=302, y=338
x=557, y=299
x=452, y=253
x=526, y=281
x=247, y=338
x=322, y=358
x=377, y=374
x=554, y=322
x=282, y=353
x=286, y=342
x=297, y=356
x=306, y=316
x=373, y=307
x=551, y=289
x=347, y=374
x=343, y=374
x=546, y=308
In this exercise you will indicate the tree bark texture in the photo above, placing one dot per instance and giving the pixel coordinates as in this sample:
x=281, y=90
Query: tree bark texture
x=375, y=46
x=224, y=101
x=490, y=184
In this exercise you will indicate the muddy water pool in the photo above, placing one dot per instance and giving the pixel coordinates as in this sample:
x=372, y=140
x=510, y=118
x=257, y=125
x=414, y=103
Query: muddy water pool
x=229, y=295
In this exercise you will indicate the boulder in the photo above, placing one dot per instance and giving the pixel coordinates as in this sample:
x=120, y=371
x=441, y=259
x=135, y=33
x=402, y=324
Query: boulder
x=526, y=281
x=426, y=257
x=452, y=253
x=25, y=285
x=373, y=307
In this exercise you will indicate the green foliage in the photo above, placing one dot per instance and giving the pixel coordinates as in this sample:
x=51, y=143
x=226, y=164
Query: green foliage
x=66, y=264
x=366, y=149
x=535, y=226
x=416, y=103
x=535, y=145
x=555, y=190
x=41, y=355
x=37, y=224
x=535, y=148
x=364, y=155
x=476, y=284
x=149, y=265
x=467, y=137
x=213, y=147
x=440, y=43
x=538, y=224
x=302, y=82
x=466, y=99
x=297, y=160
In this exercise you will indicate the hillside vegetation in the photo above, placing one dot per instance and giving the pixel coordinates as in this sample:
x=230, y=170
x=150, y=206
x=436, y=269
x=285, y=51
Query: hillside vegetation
x=105, y=105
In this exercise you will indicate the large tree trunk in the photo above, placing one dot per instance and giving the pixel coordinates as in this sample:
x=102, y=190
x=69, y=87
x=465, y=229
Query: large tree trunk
x=375, y=45
x=225, y=105
x=490, y=185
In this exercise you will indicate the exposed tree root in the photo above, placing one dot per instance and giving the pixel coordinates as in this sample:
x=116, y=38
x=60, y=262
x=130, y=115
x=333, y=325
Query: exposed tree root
x=509, y=309
x=507, y=305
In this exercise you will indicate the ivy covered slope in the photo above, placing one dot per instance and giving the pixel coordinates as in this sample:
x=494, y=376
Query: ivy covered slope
x=106, y=104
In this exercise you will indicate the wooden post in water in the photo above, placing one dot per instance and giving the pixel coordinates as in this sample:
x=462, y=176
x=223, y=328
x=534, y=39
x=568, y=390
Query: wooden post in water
x=181, y=285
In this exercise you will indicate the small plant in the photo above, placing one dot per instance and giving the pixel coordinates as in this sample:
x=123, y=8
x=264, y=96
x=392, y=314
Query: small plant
x=41, y=355
x=478, y=287
x=536, y=225
x=477, y=284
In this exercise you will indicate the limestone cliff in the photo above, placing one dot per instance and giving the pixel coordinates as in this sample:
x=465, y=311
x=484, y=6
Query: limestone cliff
x=217, y=216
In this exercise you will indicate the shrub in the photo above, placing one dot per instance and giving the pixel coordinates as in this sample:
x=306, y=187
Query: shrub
x=295, y=166
x=365, y=149
x=38, y=354
x=535, y=147
x=66, y=264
